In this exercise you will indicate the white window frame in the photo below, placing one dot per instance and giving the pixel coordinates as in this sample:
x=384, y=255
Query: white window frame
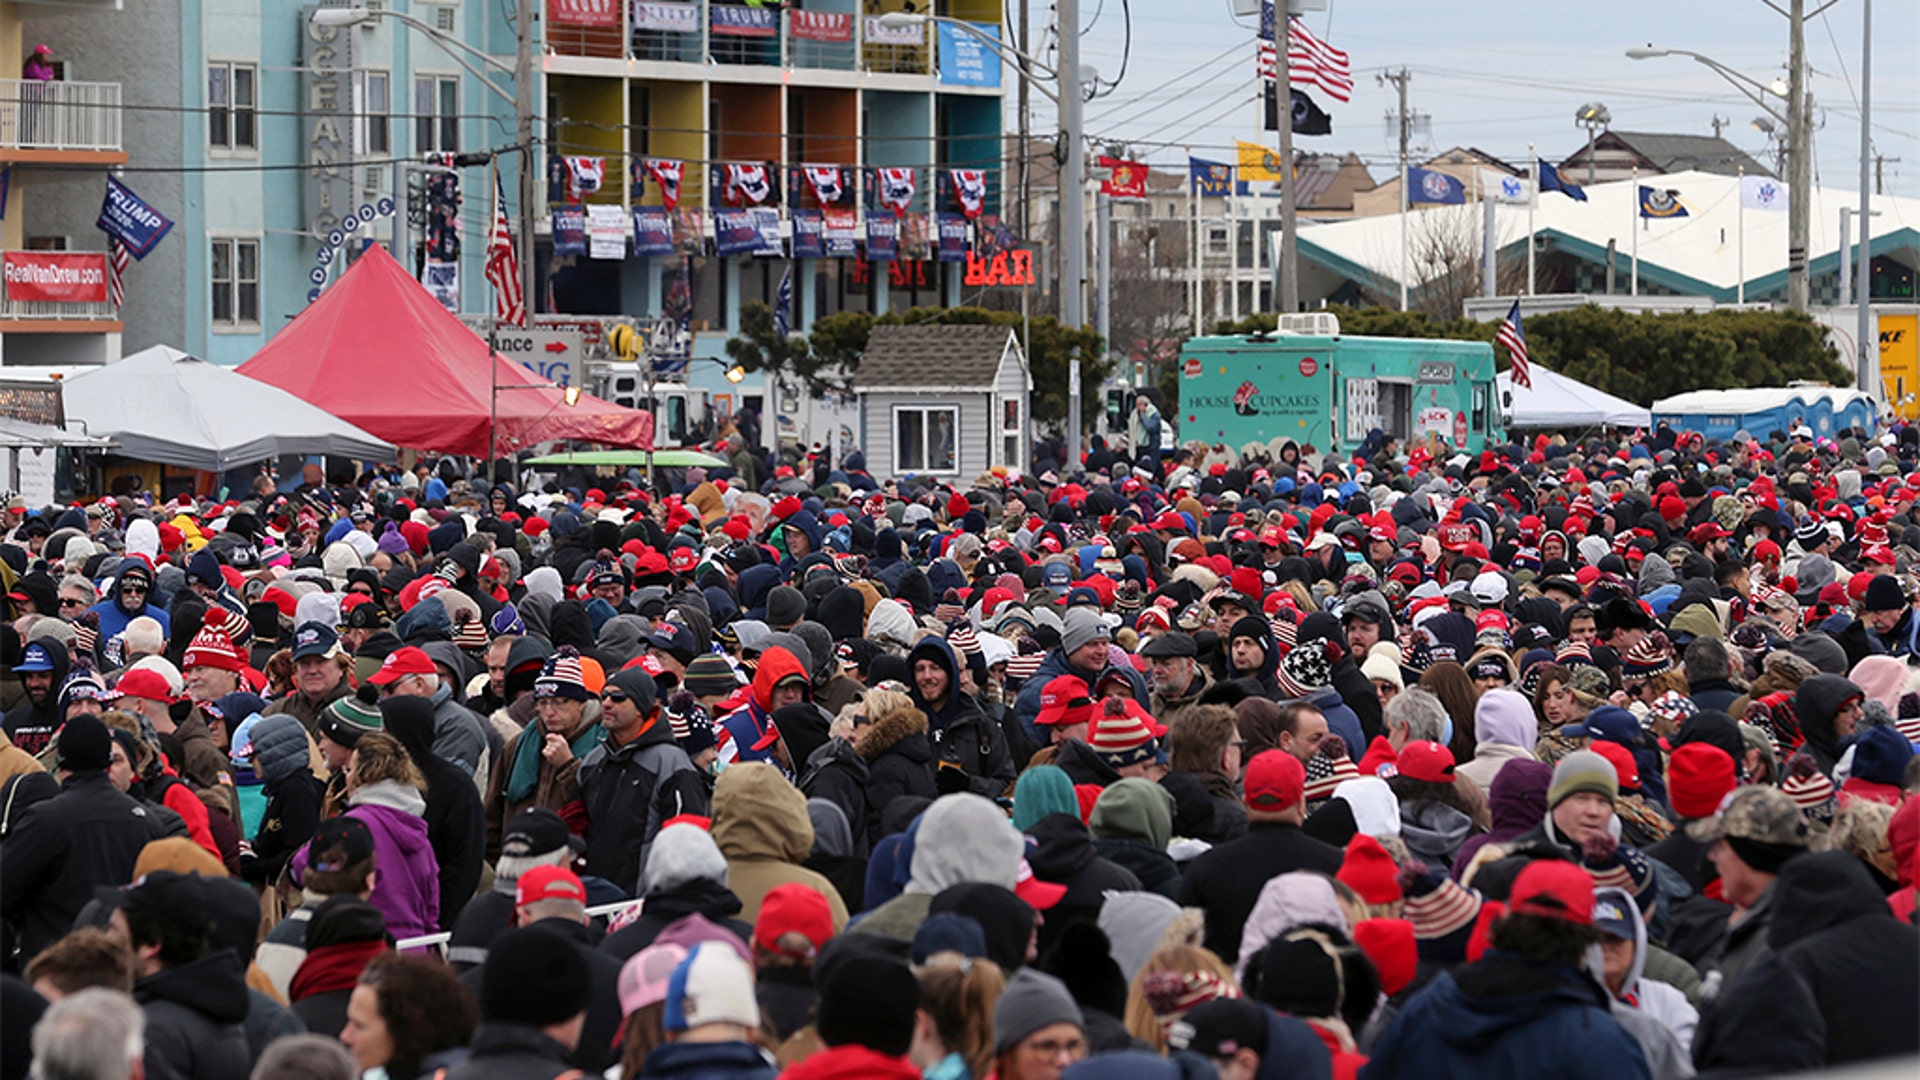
x=377, y=110
x=1012, y=435
x=234, y=284
x=899, y=464
x=231, y=110
x=433, y=118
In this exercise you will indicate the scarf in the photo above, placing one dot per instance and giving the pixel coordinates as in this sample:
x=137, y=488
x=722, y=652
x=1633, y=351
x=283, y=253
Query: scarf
x=523, y=776
x=332, y=967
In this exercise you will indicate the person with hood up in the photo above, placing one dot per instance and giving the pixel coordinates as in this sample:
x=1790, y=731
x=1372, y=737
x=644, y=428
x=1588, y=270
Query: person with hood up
x=193, y=996
x=961, y=839
x=1642, y=1003
x=894, y=739
x=1254, y=658
x=1062, y=853
x=280, y=754
x=1132, y=824
x=1526, y=1008
x=761, y=825
x=456, y=817
x=1828, y=708
x=749, y=733
x=1504, y=729
x=635, y=780
x=685, y=875
x=385, y=790
x=1841, y=987
x=541, y=765
x=972, y=750
x=129, y=597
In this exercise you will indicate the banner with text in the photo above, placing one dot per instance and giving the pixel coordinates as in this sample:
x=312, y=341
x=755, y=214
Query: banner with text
x=57, y=277
x=745, y=21
x=952, y=242
x=127, y=218
x=569, y=230
x=965, y=59
x=596, y=13
x=883, y=238
x=666, y=16
x=809, y=234
x=821, y=26
x=652, y=231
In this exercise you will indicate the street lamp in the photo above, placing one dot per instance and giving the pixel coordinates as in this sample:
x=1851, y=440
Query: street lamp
x=1069, y=101
x=1798, y=108
x=522, y=98
x=1595, y=118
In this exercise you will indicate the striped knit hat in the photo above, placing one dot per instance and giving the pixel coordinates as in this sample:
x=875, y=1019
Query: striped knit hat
x=1027, y=661
x=211, y=647
x=1327, y=770
x=1305, y=670
x=1438, y=907
x=1572, y=653
x=1649, y=656
x=562, y=676
x=963, y=639
x=1809, y=788
x=1170, y=994
x=1122, y=733
x=346, y=719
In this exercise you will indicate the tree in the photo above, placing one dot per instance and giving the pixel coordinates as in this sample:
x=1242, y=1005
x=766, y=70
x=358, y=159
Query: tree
x=792, y=358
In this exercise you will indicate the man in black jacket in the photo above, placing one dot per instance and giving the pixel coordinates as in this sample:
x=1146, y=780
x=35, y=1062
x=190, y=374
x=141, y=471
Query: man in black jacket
x=634, y=780
x=88, y=836
x=533, y=1004
x=194, y=997
x=456, y=818
x=1226, y=881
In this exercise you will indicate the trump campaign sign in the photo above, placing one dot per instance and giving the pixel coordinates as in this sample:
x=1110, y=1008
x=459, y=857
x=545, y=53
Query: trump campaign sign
x=60, y=277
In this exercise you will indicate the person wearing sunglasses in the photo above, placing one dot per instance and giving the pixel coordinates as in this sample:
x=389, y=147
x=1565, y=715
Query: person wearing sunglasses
x=129, y=597
x=634, y=780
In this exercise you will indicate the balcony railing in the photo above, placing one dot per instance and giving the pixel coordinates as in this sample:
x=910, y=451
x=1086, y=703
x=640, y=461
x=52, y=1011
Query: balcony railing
x=38, y=115
x=101, y=311
x=736, y=34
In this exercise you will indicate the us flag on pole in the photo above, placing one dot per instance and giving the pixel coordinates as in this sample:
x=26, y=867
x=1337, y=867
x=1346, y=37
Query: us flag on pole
x=1514, y=337
x=118, y=259
x=503, y=269
x=1312, y=62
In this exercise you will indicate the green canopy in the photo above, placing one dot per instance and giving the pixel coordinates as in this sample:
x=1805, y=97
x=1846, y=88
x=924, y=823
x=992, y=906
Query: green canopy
x=662, y=459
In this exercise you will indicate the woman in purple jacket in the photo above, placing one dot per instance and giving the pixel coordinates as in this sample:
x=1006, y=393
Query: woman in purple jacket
x=385, y=790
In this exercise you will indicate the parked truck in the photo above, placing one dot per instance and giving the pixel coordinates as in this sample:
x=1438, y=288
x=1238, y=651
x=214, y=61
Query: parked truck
x=1308, y=383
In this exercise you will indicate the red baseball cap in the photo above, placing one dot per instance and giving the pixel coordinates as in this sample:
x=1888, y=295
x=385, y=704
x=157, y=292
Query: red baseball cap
x=1707, y=531
x=145, y=683
x=401, y=663
x=1275, y=781
x=793, y=908
x=1622, y=761
x=548, y=883
x=1556, y=890
x=1427, y=761
x=1040, y=895
x=768, y=737
x=683, y=559
x=1065, y=700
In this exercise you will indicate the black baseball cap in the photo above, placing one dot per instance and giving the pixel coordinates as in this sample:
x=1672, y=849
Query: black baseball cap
x=1221, y=1028
x=313, y=639
x=169, y=896
x=367, y=616
x=536, y=832
x=348, y=836
x=1171, y=644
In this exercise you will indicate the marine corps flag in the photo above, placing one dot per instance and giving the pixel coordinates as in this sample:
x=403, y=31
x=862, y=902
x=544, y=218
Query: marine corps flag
x=1259, y=162
x=1308, y=117
x=1129, y=179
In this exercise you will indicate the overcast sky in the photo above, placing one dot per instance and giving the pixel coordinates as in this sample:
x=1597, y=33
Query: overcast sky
x=1501, y=75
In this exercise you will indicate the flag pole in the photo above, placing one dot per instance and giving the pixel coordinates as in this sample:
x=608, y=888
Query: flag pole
x=1403, y=221
x=1633, y=287
x=1740, y=227
x=1194, y=290
x=1233, y=247
x=1533, y=199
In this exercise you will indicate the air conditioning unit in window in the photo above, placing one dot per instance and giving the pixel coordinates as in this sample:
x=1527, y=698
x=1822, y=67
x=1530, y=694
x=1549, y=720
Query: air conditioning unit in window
x=443, y=18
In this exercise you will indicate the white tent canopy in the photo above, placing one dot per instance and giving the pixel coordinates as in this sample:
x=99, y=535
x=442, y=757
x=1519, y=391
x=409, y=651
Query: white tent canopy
x=1556, y=401
x=162, y=405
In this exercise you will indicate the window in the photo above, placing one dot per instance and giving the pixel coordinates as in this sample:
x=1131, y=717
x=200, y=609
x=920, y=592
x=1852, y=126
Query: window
x=234, y=275
x=377, y=102
x=1216, y=240
x=436, y=107
x=1011, y=433
x=231, y=101
x=925, y=439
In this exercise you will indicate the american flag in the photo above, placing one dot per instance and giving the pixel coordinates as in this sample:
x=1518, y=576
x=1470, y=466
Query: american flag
x=118, y=259
x=1514, y=337
x=1312, y=62
x=503, y=269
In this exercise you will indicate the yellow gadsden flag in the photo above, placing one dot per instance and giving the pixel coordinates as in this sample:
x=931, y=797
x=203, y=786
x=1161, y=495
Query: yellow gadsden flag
x=1259, y=162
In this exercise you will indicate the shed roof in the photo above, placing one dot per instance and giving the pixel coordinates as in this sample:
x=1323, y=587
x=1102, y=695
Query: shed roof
x=946, y=356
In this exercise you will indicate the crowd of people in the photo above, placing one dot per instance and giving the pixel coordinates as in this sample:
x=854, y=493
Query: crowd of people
x=1570, y=758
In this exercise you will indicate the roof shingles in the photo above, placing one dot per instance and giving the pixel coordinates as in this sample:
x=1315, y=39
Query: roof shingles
x=930, y=356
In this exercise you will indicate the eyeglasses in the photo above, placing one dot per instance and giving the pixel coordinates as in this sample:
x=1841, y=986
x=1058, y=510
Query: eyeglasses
x=133, y=590
x=69, y=601
x=613, y=697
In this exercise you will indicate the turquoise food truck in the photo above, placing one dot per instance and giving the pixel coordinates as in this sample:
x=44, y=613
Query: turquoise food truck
x=1329, y=391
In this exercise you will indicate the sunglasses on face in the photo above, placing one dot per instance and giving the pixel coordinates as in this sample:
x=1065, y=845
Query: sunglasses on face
x=133, y=590
x=70, y=602
x=612, y=697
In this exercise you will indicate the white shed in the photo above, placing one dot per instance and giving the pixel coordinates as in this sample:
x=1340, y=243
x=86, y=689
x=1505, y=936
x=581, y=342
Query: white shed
x=944, y=401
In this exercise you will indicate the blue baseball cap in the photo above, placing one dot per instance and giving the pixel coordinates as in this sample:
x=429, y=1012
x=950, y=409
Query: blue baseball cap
x=1608, y=723
x=36, y=658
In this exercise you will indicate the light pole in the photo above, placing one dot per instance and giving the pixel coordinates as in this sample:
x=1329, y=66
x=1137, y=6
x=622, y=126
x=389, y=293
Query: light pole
x=1595, y=118
x=1799, y=143
x=522, y=98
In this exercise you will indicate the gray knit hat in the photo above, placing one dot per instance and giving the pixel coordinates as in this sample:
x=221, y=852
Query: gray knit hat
x=1583, y=770
x=1081, y=626
x=1030, y=1002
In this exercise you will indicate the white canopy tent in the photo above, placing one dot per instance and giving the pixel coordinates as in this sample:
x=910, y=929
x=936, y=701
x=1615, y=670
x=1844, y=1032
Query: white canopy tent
x=1556, y=401
x=165, y=406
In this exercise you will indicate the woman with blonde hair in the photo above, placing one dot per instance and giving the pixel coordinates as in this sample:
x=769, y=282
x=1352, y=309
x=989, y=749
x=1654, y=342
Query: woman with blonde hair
x=893, y=736
x=1174, y=979
x=386, y=791
x=953, y=1029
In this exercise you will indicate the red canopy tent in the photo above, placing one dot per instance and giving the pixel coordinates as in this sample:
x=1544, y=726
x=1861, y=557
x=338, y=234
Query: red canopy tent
x=378, y=351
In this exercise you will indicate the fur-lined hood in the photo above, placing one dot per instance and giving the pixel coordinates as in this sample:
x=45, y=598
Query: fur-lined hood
x=884, y=735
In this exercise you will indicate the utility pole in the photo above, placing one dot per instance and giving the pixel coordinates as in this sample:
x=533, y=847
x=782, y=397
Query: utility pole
x=1288, y=301
x=1400, y=79
x=1103, y=271
x=1800, y=158
x=1073, y=207
x=1865, y=332
x=531, y=164
x=1026, y=133
x=1880, y=174
x=1720, y=123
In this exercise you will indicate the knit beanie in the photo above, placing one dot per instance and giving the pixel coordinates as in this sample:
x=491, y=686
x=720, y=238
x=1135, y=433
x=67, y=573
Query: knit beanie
x=1389, y=943
x=1305, y=670
x=1370, y=871
x=1302, y=976
x=85, y=745
x=786, y=605
x=681, y=854
x=346, y=719
x=1808, y=787
x=1699, y=775
x=870, y=1001
x=1031, y=1001
x=713, y=985
x=1081, y=626
x=1122, y=733
x=534, y=977
x=562, y=676
x=710, y=676
x=1583, y=770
